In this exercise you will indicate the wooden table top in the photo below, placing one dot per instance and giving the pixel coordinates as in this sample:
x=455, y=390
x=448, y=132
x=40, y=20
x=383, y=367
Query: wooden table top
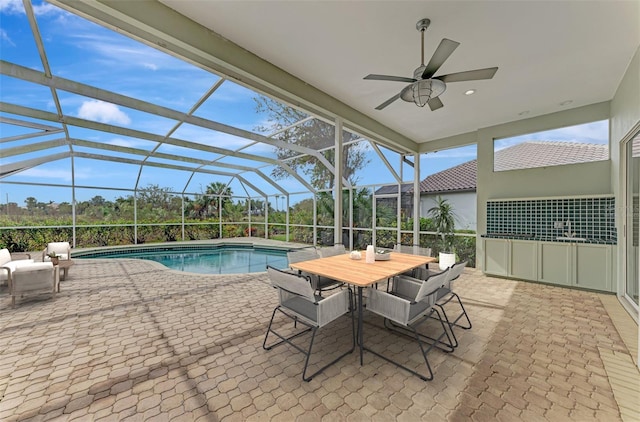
x=358, y=272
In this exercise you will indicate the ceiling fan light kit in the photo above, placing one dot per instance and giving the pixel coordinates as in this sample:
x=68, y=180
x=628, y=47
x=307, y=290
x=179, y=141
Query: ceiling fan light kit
x=422, y=91
x=424, y=88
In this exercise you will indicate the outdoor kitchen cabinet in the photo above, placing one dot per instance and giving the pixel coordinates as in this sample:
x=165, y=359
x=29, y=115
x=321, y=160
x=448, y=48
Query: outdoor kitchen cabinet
x=585, y=265
x=555, y=262
x=511, y=258
x=593, y=266
x=523, y=259
x=570, y=264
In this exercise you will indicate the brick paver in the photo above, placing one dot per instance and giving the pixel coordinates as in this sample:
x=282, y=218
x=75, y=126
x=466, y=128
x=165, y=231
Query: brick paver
x=130, y=340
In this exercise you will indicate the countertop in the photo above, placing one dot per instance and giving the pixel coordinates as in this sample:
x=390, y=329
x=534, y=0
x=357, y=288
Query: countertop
x=547, y=238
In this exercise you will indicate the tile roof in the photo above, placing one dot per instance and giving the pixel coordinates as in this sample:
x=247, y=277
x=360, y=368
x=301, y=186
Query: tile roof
x=528, y=154
x=533, y=154
x=459, y=178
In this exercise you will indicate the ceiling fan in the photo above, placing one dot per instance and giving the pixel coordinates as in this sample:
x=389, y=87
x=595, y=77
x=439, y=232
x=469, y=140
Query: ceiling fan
x=423, y=88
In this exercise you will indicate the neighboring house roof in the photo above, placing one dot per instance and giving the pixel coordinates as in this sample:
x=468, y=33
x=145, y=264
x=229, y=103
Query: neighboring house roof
x=544, y=153
x=459, y=178
x=530, y=154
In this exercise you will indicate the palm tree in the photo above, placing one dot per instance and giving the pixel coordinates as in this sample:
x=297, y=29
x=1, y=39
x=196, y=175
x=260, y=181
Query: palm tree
x=216, y=195
x=444, y=220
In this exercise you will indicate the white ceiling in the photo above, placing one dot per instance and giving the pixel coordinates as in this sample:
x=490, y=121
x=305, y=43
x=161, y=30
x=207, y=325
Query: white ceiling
x=548, y=52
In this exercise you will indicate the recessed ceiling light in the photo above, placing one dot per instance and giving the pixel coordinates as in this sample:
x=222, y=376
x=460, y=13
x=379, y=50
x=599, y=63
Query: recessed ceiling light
x=522, y=113
x=567, y=102
x=470, y=92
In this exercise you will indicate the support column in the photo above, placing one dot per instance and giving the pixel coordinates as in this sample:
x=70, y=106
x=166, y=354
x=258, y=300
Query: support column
x=416, y=199
x=337, y=185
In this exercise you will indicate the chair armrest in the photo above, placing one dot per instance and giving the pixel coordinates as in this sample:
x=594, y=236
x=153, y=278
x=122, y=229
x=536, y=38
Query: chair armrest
x=12, y=265
x=331, y=307
x=389, y=306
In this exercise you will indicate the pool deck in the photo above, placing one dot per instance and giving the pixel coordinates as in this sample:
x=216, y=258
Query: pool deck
x=129, y=340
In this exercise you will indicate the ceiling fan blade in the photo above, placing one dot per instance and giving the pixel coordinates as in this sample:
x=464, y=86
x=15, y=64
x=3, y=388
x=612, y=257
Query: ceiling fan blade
x=389, y=101
x=389, y=78
x=469, y=75
x=441, y=54
x=435, y=103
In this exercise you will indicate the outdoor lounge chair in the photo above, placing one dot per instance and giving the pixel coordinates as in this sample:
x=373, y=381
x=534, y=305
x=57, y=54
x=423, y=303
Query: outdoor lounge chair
x=33, y=278
x=298, y=302
x=8, y=265
x=61, y=249
x=409, y=304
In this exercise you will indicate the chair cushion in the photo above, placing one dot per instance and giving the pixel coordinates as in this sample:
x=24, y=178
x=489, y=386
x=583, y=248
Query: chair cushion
x=12, y=265
x=34, y=266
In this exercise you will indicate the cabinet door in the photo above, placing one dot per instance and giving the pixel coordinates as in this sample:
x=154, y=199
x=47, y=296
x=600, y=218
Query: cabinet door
x=593, y=267
x=495, y=256
x=554, y=263
x=523, y=260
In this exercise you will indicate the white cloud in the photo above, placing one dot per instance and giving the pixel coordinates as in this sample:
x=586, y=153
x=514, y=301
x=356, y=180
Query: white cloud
x=11, y=6
x=5, y=37
x=50, y=175
x=130, y=143
x=151, y=66
x=42, y=9
x=46, y=9
x=102, y=112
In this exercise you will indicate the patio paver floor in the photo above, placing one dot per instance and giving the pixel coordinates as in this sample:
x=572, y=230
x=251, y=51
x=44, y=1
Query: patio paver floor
x=130, y=340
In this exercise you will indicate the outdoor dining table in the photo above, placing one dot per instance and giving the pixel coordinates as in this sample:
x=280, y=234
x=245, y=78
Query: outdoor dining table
x=361, y=274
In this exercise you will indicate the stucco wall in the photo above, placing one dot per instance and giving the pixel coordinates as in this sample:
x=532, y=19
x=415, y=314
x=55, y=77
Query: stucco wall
x=464, y=206
x=569, y=180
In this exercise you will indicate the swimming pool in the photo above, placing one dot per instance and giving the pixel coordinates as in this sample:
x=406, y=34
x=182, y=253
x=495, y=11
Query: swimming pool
x=211, y=259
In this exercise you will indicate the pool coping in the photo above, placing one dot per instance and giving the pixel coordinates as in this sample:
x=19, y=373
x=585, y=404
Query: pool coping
x=192, y=245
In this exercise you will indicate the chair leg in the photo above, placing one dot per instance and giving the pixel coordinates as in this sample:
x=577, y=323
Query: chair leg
x=282, y=338
x=423, y=377
x=307, y=353
x=348, y=352
x=453, y=323
x=464, y=313
x=446, y=347
x=412, y=332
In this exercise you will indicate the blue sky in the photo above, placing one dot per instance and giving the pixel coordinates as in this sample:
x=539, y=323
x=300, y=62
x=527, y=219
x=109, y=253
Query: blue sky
x=82, y=51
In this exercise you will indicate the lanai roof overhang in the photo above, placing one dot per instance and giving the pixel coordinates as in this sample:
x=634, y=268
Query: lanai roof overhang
x=207, y=50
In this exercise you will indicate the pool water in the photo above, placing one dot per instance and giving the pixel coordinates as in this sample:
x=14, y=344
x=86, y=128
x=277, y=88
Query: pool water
x=216, y=260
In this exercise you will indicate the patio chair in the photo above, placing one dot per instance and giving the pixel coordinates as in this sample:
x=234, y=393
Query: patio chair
x=409, y=304
x=36, y=277
x=334, y=250
x=298, y=302
x=61, y=249
x=318, y=283
x=414, y=250
x=445, y=294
